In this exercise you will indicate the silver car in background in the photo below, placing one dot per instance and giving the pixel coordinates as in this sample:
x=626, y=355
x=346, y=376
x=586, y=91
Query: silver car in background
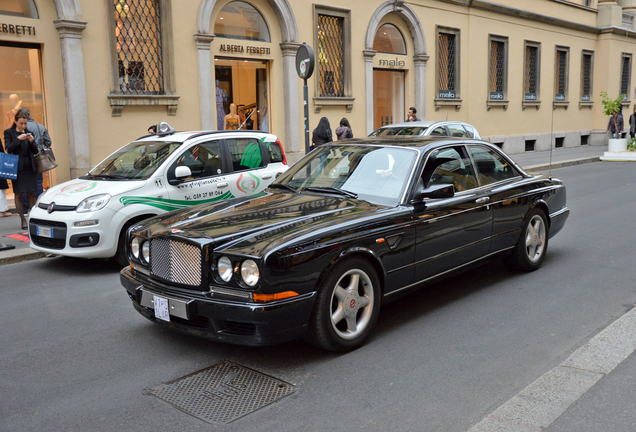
x=428, y=128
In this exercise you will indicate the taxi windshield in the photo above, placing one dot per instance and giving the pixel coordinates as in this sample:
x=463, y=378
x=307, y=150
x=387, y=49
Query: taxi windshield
x=136, y=161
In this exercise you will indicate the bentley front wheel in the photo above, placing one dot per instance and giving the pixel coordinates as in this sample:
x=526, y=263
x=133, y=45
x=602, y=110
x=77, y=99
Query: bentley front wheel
x=346, y=306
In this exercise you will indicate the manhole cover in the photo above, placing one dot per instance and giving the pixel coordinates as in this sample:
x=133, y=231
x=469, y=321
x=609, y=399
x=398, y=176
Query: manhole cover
x=222, y=393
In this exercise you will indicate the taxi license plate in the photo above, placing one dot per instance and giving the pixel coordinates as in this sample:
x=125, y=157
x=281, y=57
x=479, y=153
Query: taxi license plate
x=44, y=231
x=162, y=310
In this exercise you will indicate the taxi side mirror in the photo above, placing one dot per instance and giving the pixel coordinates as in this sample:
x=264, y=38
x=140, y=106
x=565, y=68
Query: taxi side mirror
x=182, y=172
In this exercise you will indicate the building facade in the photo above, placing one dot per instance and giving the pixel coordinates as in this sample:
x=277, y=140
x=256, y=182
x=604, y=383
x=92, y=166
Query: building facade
x=97, y=73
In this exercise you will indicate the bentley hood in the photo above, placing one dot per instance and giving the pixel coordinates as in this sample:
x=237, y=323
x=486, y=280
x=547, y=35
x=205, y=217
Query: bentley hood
x=253, y=226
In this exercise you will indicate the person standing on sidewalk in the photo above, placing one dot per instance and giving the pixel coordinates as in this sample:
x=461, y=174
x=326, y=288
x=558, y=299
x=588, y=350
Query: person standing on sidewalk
x=42, y=140
x=615, y=125
x=19, y=141
x=412, y=115
x=632, y=124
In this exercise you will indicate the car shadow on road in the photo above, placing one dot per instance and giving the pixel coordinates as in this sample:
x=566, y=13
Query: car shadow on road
x=80, y=266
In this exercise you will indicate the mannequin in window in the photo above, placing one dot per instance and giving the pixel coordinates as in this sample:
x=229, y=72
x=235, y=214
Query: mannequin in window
x=232, y=120
x=16, y=103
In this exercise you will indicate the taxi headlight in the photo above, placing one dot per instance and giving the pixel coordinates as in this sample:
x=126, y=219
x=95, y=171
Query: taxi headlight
x=250, y=273
x=94, y=203
x=145, y=251
x=134, y=247
x=224, y=268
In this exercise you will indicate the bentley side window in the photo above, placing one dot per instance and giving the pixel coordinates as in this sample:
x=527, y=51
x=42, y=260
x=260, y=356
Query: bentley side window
x=449, y=166
x=492, y=167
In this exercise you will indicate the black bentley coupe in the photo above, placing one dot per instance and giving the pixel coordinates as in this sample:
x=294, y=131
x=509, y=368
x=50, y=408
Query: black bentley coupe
x=350, y=226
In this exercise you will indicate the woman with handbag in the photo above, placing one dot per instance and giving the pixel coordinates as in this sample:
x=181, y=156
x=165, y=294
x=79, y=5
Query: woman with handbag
x=19, y=141
x=4, y=185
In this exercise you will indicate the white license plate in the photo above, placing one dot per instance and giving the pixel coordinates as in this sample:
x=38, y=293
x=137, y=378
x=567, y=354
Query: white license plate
x=44, y=231
x=162, y=310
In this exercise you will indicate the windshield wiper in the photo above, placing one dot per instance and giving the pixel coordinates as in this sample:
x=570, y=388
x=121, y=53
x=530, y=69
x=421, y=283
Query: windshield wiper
x=332, y=190
x=282, y=186
x=108, y=176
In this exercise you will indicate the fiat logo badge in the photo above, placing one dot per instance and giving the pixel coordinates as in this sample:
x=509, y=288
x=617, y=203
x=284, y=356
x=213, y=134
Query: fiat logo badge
x=51, y=207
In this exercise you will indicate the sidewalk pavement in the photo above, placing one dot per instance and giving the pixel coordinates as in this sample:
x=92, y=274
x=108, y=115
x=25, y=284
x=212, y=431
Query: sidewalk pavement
x=533, y=161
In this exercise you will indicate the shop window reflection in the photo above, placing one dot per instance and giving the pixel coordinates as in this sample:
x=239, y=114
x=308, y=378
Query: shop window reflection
x=389, y=39
x=19, y=8
x=241, y=20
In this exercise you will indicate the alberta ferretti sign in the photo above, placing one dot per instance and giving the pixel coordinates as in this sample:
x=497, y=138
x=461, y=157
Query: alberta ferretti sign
x=17, y=29
x=240, y=49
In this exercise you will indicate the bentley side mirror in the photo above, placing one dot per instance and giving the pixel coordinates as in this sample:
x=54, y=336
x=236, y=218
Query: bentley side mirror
x=435, y=192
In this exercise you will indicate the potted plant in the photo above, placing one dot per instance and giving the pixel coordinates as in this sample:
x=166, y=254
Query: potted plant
x=611, y=107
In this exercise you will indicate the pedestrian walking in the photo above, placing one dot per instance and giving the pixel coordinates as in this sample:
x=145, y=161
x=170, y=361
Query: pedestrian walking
x=615, y=125
x=632, y=124
x=4, y=185
x=20, y=141
x=322, y=134
x=412, y=117
x=344, y=130
x=42, y=141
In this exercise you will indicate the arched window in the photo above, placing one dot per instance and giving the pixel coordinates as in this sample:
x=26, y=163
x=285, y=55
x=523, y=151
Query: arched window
x=389, y=39
x=240, y=20
x=20, y=8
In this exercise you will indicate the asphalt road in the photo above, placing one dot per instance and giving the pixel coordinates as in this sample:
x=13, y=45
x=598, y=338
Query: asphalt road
x=75, y=356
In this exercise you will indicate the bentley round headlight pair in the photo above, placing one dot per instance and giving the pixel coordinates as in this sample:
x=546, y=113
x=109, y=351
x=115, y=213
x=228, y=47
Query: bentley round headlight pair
x=137, y=246
x=249, y=271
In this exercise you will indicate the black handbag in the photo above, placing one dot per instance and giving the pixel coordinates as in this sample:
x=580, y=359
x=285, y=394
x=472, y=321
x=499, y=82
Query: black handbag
x=45, y=160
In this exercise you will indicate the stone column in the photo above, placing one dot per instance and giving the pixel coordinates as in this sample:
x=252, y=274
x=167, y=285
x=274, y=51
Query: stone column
x=368, y=76
x=75, y=92
x=420, y=85
x=290, y=95
x=207, y=98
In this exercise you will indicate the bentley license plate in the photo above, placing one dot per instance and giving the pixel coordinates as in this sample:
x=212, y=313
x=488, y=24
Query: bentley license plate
x=162, y=311
x=44, y=231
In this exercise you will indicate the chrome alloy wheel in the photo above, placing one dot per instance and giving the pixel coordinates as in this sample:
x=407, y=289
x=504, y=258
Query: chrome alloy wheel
x=352, y=304
x=535, y=238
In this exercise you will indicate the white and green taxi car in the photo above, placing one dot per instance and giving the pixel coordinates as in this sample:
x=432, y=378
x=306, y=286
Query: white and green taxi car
x=88, y=217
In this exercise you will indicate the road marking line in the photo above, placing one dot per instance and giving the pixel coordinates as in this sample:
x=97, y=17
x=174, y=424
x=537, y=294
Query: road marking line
x=542, y=402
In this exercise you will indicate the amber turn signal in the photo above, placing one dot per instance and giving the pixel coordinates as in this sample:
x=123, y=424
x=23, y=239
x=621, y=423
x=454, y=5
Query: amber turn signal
x=261, y=298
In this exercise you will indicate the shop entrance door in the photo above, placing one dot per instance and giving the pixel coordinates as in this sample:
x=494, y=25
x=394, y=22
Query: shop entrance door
x=388, y=97
x=243, y=83
x=21, y=85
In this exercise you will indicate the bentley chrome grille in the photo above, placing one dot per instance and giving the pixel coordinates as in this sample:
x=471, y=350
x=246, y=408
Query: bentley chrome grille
x=175, y=261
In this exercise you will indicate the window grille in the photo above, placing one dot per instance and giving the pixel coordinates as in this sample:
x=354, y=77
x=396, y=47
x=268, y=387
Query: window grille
x=446, y=63
x=628, y=21
x=331, y=56
x=625, y=72
x=586, y=79
x=530, y=73
x=139, y=49
x=561, y=75
x=497, y=71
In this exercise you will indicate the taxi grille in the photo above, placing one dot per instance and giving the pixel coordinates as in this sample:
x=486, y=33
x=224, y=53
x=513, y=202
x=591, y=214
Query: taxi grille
x=175, y=261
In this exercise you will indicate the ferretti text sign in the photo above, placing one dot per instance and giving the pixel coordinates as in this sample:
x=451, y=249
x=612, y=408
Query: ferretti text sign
x=240, y=49
x=17, y=29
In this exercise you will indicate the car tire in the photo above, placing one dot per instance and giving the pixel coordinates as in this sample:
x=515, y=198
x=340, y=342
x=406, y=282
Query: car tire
x=121, y=258
x=530, y=250
x=346, y=306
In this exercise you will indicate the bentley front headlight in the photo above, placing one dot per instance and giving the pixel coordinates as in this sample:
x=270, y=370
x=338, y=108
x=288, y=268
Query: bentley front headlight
x=145, y=251
x=224, y=267
x=250, y=272
x=134, y=247
x=93, y=203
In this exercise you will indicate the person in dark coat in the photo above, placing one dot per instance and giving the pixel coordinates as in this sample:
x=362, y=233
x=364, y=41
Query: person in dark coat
x=615, y=125
x=344, y=130
x=4, y=185
x=632, y=124
x=19, y=141
x=322, y=133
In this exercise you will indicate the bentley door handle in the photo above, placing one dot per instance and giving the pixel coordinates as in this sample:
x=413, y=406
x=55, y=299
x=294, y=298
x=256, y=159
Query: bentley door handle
x=483, y=200
x=221, y=185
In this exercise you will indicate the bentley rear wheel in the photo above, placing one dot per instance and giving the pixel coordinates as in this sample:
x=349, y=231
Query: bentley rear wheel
x=346, y=307
x=532, y=246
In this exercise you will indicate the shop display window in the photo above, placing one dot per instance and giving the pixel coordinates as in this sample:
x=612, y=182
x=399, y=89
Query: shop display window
x=388, y=39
